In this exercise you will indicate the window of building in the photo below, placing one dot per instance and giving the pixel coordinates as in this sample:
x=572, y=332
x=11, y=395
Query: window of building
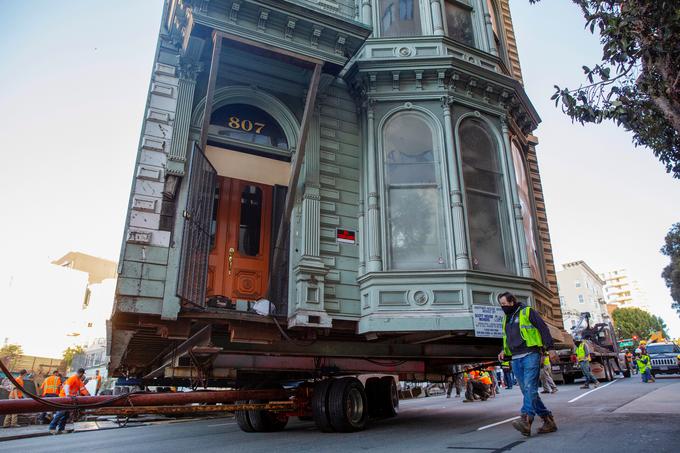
x=415, y=211
x=399, y=18
x=251, y=219
x=527, y=211
x=486, y=210
x=562, y=300
x=581, y=300
x=459, y=22
x=577, y=283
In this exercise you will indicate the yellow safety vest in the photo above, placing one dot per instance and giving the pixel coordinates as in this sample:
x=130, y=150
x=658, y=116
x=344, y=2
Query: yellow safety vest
x=529, y=333
x=581, y=353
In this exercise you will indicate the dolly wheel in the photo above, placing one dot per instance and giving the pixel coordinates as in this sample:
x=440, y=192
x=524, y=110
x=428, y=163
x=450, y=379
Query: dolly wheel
x=347, y=405
x=242, y=419
x=320, y=412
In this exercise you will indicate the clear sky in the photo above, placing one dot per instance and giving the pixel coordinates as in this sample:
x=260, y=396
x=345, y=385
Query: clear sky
x=74, y=80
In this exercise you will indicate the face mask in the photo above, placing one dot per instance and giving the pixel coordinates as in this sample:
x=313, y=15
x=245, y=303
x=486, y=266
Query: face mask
x=508, y=309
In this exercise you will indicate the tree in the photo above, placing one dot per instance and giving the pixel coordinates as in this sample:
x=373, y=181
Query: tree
x=632, y=322
x=671, y=273
x=70, y=352
x=637, y=83
x=11, y=352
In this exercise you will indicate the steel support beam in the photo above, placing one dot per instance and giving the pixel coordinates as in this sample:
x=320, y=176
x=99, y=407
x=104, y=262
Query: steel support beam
x=210, y=92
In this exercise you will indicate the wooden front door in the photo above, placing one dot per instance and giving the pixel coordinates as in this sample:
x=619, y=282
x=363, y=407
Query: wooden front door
x=238, y=267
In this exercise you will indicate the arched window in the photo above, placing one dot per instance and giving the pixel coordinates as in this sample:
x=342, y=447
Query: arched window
x=415, y=212
x=247, y=123
x=527, y=212
x=399, y=18
x=488, y=221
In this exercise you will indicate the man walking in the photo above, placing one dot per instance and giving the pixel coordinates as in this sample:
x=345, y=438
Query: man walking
x=508, y=378
x=457, y=381
x=74, y=386
x=525, y=335
x=50, y=389
x=12, y=421
x=583, y=358
x=546, y=376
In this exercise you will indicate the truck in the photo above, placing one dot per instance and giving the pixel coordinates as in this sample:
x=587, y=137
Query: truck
x=665, y=356
x=317, y=210
x=607, y=359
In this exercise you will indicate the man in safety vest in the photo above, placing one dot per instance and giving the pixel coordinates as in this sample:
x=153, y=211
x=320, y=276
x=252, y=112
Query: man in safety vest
x=644, y=364
x=475, y=387
x=98, y=377
x=50, y=388
x=546, y=376
x=583, y=359
x=525, y=336
x=12, y=421
x=74, y=386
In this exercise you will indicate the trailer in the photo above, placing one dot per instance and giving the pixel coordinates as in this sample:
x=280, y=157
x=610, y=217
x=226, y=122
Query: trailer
x=315, y=206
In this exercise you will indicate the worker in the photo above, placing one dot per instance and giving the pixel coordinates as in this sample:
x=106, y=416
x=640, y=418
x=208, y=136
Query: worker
x=12, y=421
x=546, y=376
x=629, y=360
x=98, y=377
x=457, y=380
x=644, y=364
x=475, y=387
x=525, y=335
x=74, y=386
x=50, y=388
x=583, y=359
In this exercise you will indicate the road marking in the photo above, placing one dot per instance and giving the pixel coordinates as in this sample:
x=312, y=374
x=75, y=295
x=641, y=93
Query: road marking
x=498, y=423
x=587, y=393
x=221, y=424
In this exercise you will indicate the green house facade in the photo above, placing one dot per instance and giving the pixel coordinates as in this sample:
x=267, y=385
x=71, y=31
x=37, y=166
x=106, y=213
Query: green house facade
x=368, y=167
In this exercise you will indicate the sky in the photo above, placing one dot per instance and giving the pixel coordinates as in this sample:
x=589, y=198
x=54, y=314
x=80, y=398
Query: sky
x=74, y=81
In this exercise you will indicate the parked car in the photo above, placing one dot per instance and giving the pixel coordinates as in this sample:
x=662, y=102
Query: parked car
x=665, y=358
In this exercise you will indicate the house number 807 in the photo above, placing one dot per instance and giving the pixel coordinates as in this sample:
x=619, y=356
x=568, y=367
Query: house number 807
x=245, y=125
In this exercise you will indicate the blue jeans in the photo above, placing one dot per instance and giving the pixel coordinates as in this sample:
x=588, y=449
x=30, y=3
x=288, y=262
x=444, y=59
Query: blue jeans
x=527, y=371
x=59, y=420
x=507, y=374
x=647, y=375
x=585, y=368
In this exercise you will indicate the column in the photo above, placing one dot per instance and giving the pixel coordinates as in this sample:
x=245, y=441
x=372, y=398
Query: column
x=374, y=255
x=180, y=132
x=516, y=227
x=367, y=12
x=457, y=212
x=437, y=18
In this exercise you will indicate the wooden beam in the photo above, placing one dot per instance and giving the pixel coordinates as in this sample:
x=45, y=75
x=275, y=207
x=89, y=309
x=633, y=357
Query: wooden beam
x=210, y=92
x=269, y=48
x=295, y=174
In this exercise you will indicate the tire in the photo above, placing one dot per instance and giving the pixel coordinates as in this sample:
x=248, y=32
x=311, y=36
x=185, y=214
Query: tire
x=242, y=419
x=264, y=421
x=389, y=397
x=347, y=405
x=376, y=404
x=626, y=374
x=320, y=412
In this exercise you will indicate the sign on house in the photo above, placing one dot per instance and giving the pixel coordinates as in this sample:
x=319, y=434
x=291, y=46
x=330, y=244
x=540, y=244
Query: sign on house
x=488, y=321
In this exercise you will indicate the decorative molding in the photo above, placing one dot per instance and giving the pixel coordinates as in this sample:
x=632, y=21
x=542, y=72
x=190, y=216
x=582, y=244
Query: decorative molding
x=290, y=28
x=262, y=21
x=233, y=12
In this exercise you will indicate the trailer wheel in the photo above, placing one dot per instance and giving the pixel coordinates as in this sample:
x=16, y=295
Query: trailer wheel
x=320, y=412
x=389, y=397
x=264, y=421
x=348, y=405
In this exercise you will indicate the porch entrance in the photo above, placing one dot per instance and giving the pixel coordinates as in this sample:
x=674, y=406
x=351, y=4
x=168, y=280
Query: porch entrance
x=241, y=235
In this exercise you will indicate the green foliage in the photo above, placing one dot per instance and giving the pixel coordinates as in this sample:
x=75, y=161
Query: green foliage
x=631, y=322
x=671, y=273
x=71, y=352
x=11, y=350
x=637, y=83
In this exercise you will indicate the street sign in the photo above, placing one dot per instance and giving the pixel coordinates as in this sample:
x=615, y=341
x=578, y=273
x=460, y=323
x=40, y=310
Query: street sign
x=488, y=321
x=625, y=343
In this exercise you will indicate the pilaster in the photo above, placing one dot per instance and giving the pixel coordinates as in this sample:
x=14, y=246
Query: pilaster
x=462, y=258
x=179, y=143
x=367, y=12
x=375, y=263
x=437, y=18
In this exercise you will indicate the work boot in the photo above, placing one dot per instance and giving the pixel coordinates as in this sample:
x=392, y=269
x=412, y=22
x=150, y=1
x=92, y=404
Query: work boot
x=596, y=384
x=549, y=425
x=523, y=425
x=585, y=386
x=554, y=390
x=545, y=391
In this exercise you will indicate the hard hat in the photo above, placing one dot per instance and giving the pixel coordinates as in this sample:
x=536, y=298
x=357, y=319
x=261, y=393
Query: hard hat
x=638, y=351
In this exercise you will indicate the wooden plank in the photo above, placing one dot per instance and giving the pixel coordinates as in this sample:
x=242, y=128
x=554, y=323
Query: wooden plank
x=212, y=78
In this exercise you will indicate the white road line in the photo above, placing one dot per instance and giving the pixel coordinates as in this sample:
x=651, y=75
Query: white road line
x=221, y=424
x=593, y=390
x=497, y=423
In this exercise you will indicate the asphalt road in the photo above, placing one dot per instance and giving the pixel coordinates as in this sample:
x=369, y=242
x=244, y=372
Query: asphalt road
x=623, y=416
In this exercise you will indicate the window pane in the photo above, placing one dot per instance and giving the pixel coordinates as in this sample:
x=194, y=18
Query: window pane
x=487, y=218
x=408, y=151
x=416, y=232
x=459, y=23
x=251, y=219
x=400, y=18
x=486, y=236
x=527, y=212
